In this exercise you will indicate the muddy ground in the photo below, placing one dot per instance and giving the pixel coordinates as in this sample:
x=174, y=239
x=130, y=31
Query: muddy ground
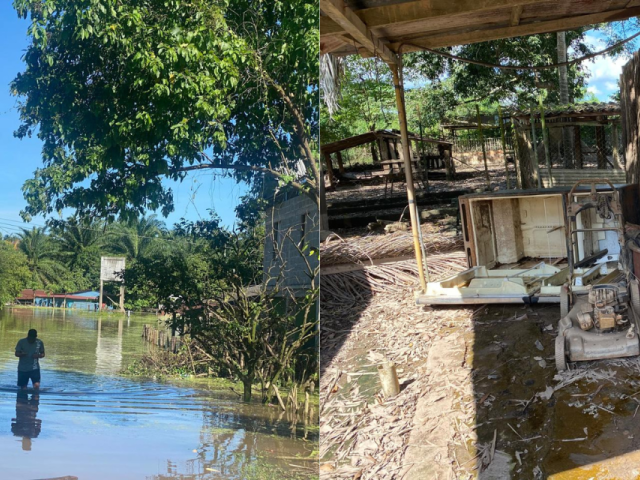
x=481, y=397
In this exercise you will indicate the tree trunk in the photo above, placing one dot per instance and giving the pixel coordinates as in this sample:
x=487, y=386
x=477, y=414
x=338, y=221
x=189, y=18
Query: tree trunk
x=247, y=383
x=528, y=176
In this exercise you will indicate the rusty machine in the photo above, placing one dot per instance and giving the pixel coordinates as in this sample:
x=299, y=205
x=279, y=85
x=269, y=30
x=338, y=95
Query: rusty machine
x=601, y=322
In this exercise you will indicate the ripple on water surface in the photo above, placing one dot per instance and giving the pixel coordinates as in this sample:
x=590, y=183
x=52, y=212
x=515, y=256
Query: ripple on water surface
x=89, y=423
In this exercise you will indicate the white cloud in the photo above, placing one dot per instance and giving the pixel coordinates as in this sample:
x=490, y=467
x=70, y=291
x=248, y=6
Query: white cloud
x=603, y=71
x=611, y=85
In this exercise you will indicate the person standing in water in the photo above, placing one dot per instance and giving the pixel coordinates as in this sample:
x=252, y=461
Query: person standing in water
x=29, y=350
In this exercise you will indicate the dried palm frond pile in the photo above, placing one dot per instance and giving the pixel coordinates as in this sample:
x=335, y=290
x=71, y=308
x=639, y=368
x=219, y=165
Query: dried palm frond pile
x=348, y=287
x=444, y=258
x=336, y=250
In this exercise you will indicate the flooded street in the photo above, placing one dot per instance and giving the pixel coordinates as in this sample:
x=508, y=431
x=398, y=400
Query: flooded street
x=90, y=423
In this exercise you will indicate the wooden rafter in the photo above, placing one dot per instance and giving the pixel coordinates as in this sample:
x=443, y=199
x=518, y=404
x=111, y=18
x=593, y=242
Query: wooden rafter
x=452, y=39
x=383, y=26
x=354, y=26
x=420, y=10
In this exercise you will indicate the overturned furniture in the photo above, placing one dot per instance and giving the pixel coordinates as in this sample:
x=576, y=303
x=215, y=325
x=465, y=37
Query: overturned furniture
x=603, y=323
x=517, y=246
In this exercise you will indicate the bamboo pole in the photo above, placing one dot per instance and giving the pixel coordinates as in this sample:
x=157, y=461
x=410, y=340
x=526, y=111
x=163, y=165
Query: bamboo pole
x=545, y=141
x=484, y=150
x=504, y=148
x=396, y=70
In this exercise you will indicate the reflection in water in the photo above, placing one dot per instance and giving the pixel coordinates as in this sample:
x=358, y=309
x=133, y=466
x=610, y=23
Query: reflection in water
x=26, y=424
x=109, y=351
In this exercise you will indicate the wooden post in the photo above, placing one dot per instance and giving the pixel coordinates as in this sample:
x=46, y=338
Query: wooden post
x=545, y=141
x=615, y=147
x=421, y=152
x=516, y=153
x=340, y=164
x=484, y=150
x=384, y=149
x=600, y=147
x=448, y=164
x=504, y=148
x=101, y=292
x=389, y=379
x=396, y=70
x=629, y=80
x=577, y=147
x=324, y=214
x=534, y=141
x=374, y=152
x=122, y=298
x=329, y=164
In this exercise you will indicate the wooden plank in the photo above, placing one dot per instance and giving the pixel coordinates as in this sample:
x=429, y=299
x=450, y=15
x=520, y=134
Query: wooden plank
x=569, y=23
x=420, y=10
x=354, y=26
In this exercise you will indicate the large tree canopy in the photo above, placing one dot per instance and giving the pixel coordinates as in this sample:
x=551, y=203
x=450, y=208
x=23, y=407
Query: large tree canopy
x=126, y=94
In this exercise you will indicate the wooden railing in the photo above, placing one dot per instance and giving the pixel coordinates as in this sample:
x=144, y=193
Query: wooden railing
x=161, y=338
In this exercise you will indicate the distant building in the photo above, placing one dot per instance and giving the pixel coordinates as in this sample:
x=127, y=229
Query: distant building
x=85, y=300
x=292, y=231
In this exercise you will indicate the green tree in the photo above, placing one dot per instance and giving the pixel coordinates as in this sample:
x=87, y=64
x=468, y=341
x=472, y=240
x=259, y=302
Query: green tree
x=14, y=272
x=215, y=292
x=42, y=257
x=76, y=237
x=136, y=237
x=153, y=91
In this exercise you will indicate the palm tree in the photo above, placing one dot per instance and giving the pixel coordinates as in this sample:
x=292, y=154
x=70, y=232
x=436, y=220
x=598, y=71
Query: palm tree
x=41, y=255
x=137, y=237
x=75, y=236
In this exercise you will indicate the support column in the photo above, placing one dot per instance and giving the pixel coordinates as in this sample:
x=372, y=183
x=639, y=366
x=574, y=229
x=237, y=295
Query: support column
x=122, y=298
x=396, y=70
x=504, y=148
x=329, y=163
x=324, y=213
x=600, y=147
x=577, y=147
x=615, y=147
x=340, y=163
x=101, y=292
x=484, y=150
x=545, y=141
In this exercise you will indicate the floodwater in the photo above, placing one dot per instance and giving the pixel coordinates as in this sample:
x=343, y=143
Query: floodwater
x=90, y=423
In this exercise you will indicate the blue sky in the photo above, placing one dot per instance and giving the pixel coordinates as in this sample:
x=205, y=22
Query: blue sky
x=604, y=71
x=19, y=158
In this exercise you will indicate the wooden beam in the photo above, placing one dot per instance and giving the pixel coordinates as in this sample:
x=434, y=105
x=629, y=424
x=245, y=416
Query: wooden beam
x=354, y=26
x=516, y=12
x=420, y=10
x=452, y=39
